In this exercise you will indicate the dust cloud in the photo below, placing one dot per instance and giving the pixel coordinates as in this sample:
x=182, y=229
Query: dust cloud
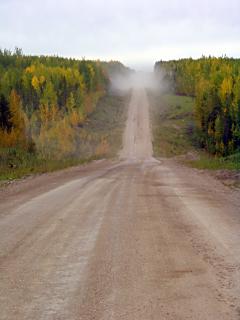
x=139, y=80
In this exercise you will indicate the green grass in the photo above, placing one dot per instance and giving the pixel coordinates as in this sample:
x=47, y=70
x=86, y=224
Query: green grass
x=174, y=133
x=172, y=117
x=215, y=163
x=106, y=122
x=16, y=163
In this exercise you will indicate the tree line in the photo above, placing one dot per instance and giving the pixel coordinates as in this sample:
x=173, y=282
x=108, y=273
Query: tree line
x=44, y=99
x=215, y=84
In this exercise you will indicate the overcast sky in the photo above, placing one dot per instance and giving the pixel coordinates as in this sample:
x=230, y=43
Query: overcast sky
x=136, y=32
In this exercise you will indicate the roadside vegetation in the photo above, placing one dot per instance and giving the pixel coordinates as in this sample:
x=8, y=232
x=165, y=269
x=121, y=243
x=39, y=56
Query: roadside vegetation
x=171, y=117
x=175, y=134
x=99, y=137
x=201, y=110
x=56, y=112
x=215, y=84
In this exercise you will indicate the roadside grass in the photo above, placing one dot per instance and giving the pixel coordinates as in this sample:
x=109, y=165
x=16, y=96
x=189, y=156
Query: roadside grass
x=18, y=163
x=100, y=137
x=171, y=118
x=174, y=133
x=206, y=161
x=104, y=128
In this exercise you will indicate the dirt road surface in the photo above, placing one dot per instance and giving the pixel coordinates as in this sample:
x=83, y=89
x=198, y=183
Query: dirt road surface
x=135, y=239
x=137, y=142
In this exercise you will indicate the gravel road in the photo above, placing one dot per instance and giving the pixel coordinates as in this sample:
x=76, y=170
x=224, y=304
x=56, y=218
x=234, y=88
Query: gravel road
x=134, y=239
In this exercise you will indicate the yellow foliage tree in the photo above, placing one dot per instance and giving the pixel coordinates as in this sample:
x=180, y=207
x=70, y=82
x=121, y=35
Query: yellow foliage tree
x=35, y=83
x=18, y=119
x=226, y=89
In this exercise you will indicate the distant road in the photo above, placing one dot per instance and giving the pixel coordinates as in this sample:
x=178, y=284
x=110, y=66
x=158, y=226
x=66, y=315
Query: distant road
x=134, y=239
x=137, y=141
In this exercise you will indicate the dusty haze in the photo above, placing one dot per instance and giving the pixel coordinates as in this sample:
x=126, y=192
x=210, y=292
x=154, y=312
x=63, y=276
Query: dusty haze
x=138, y=80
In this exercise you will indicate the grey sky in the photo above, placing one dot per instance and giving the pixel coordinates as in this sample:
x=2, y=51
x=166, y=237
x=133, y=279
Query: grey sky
x=135, y=32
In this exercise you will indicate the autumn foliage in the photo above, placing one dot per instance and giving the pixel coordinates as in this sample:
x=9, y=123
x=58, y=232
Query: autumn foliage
x=215, y=84
x=43, y=100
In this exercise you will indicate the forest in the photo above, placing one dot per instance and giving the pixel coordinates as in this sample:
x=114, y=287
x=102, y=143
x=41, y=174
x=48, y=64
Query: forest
x=215, y=85
x=44, y=99
x=45, y=105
